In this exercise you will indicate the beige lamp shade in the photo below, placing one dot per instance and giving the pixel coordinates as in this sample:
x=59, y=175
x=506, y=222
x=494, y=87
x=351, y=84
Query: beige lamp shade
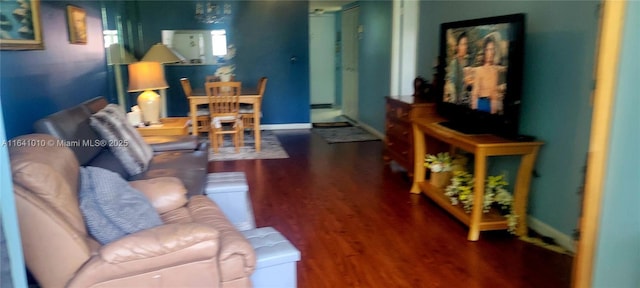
x=163, y=54
x=146, y=76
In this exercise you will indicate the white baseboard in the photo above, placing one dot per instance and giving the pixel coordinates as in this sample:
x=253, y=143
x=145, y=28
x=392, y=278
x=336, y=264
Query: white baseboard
x=286, y=126
x=563, y=240
x=371, y=130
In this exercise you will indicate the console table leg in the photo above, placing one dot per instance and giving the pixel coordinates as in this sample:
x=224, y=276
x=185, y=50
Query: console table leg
x=418, y=154
x=478, y=196
x=521, y=191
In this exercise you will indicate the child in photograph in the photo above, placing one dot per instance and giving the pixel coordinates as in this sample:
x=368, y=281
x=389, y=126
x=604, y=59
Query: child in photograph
x=486, y=94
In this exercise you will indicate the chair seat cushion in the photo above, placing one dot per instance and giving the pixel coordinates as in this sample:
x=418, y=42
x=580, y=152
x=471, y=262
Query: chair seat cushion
x=112, y=208
x=200, y=112
x=218, y=120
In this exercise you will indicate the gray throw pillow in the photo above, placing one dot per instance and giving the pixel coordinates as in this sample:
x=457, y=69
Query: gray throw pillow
x=111, y=208
x=122, y=139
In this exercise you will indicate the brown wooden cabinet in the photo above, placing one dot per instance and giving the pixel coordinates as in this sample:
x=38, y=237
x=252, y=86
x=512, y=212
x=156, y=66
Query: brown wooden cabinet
x=398, y=130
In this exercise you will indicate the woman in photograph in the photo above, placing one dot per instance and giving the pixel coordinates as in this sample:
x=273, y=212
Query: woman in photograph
x=457, y=73
x=486, y=94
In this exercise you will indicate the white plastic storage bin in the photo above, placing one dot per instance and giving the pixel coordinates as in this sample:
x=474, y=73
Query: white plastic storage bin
x=230, y=191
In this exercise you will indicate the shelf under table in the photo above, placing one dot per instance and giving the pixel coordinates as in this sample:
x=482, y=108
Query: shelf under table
x=491, y=220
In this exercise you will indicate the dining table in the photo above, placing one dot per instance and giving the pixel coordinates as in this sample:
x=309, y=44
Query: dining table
x=247, y=96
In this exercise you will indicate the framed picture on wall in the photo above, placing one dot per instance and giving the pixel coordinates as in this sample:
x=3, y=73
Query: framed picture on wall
x=20, y=25
x=77, y=20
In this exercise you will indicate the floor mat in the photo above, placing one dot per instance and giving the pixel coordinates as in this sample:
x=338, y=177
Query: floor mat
x=332, y=125
x=344, y=134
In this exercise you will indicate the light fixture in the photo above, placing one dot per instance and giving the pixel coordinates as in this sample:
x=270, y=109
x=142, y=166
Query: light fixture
x=162, y=54
x=209, y=12
x=147, y=76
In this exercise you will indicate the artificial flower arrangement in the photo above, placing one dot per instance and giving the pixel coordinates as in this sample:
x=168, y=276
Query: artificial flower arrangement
x=225, y=72
x=495, y=194
x=440, y=166
x=440, y=162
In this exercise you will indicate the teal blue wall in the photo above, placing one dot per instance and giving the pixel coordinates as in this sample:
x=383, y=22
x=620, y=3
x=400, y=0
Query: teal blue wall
x=266, y=34
x=35, y=83
x=618, y=246
x=559, y=59
x=374, y=61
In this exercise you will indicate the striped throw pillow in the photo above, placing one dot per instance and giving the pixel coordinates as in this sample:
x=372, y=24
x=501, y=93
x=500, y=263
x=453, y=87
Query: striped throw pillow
x=122, y=139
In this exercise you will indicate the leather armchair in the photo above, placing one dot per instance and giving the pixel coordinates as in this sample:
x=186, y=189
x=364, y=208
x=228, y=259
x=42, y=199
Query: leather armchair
x=196, y=246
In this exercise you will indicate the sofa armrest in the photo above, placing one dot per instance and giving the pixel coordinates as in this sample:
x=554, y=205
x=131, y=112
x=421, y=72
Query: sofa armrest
x=164, y=193
x=159, y=241
x=143, y=256
x=237, y=257
x=172, y=143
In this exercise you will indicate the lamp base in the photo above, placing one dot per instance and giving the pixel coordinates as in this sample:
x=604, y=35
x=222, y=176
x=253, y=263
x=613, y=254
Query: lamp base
x=149, y=103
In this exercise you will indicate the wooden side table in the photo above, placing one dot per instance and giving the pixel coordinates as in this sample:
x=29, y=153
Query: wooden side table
x=427, y=132
x=175, y=126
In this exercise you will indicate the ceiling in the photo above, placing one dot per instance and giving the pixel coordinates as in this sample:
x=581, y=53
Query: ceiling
x=327, y=6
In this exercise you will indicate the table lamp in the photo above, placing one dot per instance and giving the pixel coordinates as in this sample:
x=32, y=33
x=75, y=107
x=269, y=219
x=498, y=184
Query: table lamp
x=163, y=54
x=147, y=76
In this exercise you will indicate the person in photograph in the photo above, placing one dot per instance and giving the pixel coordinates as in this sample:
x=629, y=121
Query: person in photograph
x=486, y=94
x=457, y=77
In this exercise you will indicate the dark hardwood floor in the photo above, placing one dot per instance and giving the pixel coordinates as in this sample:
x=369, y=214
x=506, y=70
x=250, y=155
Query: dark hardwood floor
x=356, y=224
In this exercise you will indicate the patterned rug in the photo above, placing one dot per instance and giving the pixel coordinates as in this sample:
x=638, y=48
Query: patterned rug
x=270, y=148
x=344, y=134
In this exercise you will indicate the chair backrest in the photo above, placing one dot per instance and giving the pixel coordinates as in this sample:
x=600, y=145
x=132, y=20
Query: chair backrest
x=186, y=87
x=211, y=78
x=262, y=85
x=224, y=97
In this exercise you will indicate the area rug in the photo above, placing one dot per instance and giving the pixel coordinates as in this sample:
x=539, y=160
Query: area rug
x=270, y=148
x=344, y=134
x=332, y=125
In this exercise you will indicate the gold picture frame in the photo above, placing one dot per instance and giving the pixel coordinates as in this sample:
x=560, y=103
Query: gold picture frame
x=20, y=25
x=77, y=21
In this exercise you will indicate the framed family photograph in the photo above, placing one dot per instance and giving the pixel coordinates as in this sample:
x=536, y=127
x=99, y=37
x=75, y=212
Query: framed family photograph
x=77, y=20
x=20, y=25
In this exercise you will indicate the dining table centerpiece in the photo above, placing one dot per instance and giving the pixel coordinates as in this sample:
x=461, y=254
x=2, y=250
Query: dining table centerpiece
x=225, y=72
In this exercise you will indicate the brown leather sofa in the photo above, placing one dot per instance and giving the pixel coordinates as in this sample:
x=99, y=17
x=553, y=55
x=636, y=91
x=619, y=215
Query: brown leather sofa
x=182, y=157
x=195, y=247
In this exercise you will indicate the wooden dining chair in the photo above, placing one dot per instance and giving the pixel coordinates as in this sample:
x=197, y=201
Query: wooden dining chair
x=246, y=110
x=214, y=78
x=202, y=114
x=224, y=110
x=211, y=78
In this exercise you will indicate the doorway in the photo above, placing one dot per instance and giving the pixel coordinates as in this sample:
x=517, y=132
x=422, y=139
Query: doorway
x=350, y=20
x=328, y=65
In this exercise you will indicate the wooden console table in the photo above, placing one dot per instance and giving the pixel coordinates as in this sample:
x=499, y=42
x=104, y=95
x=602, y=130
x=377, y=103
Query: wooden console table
x=482, y=146
x=169, y=126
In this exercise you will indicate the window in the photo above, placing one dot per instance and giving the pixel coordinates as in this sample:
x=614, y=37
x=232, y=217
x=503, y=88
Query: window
x=110, y=37
x=219, y=42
